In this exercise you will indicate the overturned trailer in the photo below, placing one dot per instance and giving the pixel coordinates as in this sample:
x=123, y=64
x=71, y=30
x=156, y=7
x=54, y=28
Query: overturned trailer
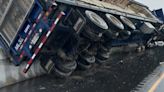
x=65, y=34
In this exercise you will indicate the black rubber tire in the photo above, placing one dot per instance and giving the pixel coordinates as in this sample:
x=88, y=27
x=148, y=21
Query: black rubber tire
x=124, y=34
x=107, y=45
x=103, y=49
x=82, y=64
x=64, y=65
x=98, y=61
x=89, y=60
x=111, y=34
x=103, y=56
x=89, y=34
x=61, y=74
x=128, y=24
x=114, y=22
x=61, y=54
x=83, y=45
x=67, y=67
x=87, y=53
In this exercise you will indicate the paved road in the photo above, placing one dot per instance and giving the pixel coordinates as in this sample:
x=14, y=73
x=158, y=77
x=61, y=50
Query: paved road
x=105, y=78
x=155, y=81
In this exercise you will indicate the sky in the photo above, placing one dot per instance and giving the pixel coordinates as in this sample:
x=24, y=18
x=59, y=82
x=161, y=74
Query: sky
x=153, y=4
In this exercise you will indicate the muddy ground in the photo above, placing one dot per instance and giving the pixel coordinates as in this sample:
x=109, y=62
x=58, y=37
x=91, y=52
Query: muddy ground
x=122, y=73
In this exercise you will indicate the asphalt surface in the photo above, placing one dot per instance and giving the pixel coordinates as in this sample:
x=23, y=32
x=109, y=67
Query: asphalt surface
x=122, y=73
x=154, y=82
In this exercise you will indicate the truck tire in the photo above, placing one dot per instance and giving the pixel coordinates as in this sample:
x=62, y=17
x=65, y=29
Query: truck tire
x=94, y=27
x=67, y=67
x=89, y=34
x=103, y=48
x=95, y=19
x=115, y=23
x=83, y=45
x=98, y=61
x=61, y=74
x=110, y=34
x=127, y=23
x=83, y=64
x=124, y=34
x=90, y=59
x=103, y=56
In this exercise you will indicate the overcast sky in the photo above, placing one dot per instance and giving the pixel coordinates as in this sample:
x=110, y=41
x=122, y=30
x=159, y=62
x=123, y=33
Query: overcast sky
x=153, y=4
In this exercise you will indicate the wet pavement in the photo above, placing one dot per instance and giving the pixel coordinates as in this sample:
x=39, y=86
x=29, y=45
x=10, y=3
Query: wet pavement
x=154, y=82
x=122, y=73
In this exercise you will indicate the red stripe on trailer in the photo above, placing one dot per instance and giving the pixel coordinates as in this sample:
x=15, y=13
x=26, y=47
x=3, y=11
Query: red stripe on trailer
x=44, y=39
x=37, y=50
x=42, y=42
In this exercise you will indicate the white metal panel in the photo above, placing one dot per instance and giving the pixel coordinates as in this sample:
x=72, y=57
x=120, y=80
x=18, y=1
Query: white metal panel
x=13, y=17
x=108, y=8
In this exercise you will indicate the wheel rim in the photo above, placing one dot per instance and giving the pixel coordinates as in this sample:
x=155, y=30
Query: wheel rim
x=96, y=19
x=127, y=22
x=115, y=21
